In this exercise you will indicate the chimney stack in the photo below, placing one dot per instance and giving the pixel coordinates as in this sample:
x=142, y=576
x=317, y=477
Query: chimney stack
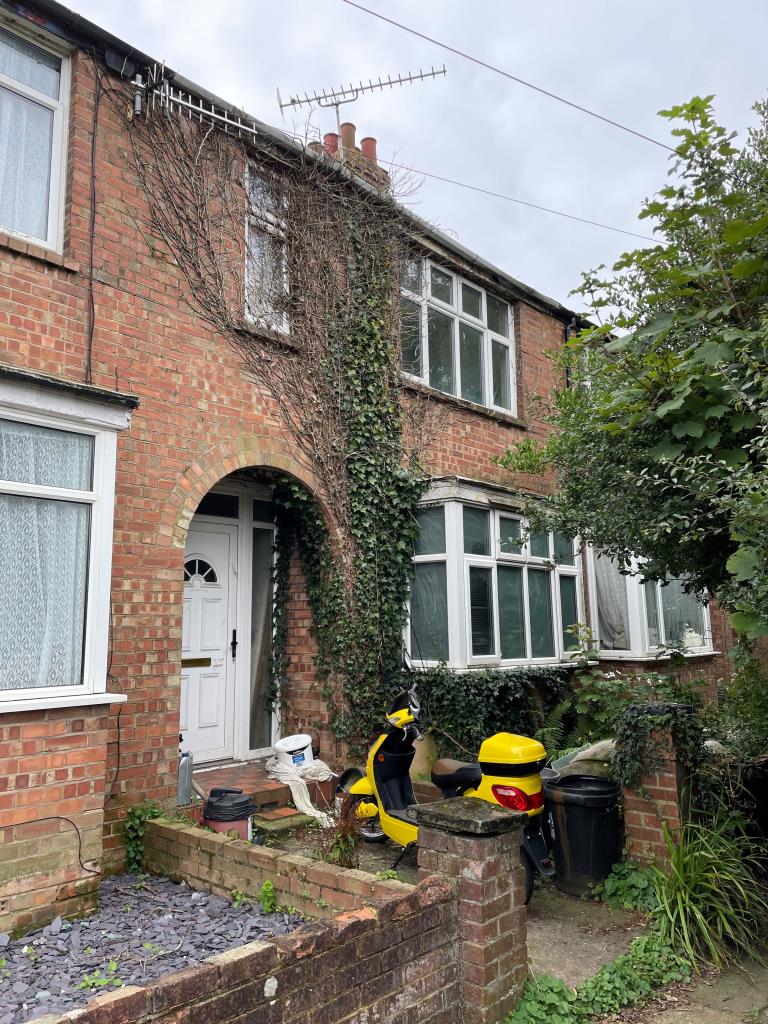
x=363, y=161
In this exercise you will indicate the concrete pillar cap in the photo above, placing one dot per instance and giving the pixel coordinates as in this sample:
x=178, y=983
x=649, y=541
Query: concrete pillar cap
x=469, y=816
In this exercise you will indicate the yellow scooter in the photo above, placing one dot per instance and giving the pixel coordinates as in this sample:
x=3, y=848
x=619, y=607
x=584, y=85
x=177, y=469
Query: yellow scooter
x=507, y=773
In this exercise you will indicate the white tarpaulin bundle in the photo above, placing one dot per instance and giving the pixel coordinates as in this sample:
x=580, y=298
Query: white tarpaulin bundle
x=294, y=776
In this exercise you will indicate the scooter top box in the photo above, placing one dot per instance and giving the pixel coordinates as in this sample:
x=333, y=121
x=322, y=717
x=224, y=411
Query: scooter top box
x=511, y=755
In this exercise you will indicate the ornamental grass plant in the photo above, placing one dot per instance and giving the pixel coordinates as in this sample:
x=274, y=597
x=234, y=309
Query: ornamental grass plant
x=712, y=905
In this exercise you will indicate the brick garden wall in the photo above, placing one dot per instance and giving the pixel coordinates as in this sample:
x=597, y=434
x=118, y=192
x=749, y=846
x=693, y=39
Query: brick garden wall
x=205, y=860
x=395, y=964
x=52, y=767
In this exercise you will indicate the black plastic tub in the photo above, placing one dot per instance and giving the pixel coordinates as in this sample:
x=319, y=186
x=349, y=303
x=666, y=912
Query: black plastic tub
x=586, y=837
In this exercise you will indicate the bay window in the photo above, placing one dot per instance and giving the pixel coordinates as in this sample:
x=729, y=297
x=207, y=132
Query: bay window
x=634, y=618
x=33, y=90
x=56, y=506
x=456, y=337
x=487, y=591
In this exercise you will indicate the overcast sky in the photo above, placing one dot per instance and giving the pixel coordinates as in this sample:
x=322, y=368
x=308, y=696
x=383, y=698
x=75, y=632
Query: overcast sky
x=623, y=60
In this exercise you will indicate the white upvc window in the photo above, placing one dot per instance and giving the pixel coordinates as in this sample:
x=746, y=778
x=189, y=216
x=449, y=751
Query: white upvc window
x=266, y=271
x=34, y=90
x=485, y=591
x=634, y=618
x=457, y=337
x=57, y=480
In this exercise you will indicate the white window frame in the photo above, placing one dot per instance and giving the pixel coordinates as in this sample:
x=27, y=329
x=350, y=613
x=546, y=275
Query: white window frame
x=58, y=173
x=426, y=300
x=264, y=221
x=458, y=565
x=27, y=404
x=640, y=648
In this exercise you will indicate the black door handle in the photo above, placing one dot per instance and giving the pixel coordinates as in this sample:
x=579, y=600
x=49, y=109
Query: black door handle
x=233, y=644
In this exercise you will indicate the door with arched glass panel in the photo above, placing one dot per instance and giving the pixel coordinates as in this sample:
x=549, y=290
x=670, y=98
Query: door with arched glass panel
x=208, y=637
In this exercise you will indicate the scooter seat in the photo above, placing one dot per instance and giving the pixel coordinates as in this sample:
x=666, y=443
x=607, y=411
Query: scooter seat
x=448, y=774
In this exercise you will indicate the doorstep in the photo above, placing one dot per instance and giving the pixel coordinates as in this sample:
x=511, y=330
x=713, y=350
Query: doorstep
x=266, y=793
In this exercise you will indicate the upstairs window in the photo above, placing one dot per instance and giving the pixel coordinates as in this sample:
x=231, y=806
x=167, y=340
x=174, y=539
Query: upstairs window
x=33, y=88
x=266, y=271
x=456, y=337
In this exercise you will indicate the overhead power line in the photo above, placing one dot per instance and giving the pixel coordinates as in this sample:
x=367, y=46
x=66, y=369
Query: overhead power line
x=520, y=202
x=511, y=77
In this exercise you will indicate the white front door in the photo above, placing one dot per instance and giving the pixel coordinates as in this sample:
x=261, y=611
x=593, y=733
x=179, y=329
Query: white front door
x=208, y=629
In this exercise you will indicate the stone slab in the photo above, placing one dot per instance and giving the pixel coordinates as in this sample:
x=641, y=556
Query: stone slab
x=469, y=816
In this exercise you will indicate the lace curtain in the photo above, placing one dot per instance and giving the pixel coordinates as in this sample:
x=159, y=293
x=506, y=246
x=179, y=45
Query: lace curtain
x=43, y=558
x=612, y=607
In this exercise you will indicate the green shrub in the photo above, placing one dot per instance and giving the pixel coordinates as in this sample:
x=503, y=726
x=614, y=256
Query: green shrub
x=711, y=904
x=746, y=707
x=629, y=887
x=464, y=708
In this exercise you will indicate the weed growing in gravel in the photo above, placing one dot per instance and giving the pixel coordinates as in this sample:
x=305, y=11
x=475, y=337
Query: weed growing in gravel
x=387, y=875
x=268, y=898
x=95, y=979
x=152, y=948
x=238, y=898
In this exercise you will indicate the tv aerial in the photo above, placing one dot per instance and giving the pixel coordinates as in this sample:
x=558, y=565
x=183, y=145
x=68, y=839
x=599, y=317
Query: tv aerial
x=348, y=94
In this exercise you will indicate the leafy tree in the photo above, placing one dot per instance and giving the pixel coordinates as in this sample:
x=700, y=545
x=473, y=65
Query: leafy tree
x=660, y=441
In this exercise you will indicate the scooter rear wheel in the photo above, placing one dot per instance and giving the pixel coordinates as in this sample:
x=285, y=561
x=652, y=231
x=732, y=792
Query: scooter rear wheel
x=370, y=829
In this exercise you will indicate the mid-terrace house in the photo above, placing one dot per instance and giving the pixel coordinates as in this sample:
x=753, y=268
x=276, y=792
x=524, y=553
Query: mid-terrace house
x=137, y=462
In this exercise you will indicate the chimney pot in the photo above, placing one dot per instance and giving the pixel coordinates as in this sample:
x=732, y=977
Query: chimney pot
x=331, y=143
x=348, y=137
x=368, y=147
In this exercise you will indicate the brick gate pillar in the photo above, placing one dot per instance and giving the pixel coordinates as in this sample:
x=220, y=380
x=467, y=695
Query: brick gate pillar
x=660, y=799
x=478, y=845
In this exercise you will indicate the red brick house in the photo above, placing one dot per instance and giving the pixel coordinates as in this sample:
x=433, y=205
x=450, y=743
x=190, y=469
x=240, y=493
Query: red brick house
x=136, y=463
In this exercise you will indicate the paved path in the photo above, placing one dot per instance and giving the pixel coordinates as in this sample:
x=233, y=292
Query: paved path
x=736, y=997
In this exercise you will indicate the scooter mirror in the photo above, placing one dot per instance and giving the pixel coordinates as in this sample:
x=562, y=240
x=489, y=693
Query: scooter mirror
x=413, y=701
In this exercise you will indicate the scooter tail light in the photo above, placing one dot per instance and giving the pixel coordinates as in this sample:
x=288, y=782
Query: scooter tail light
x=536, y=800
x=512, y=797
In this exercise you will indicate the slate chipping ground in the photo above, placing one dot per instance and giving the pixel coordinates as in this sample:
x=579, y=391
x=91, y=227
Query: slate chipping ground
x=145, y=927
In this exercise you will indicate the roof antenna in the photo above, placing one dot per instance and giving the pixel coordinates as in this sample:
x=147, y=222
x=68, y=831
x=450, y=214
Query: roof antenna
x=348, y=94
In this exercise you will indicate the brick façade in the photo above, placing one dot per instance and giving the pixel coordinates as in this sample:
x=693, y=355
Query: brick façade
x=199, y=419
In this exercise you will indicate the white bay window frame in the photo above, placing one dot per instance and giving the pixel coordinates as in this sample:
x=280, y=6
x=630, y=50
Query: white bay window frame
x=22, y=403
x=54, y=237
x=458, y=565
x=426, y=300
x=640, y=648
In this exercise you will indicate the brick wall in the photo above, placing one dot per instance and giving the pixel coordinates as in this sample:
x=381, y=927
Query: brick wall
x=52, y=768
x=205, y=860
x=392, y=964
x=658, y=802
x=450, y=950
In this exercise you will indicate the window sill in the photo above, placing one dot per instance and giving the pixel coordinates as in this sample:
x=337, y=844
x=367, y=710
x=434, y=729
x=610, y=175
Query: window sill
x=37, y=252
x=628, y=656
x=72, y=700
x=482, y=410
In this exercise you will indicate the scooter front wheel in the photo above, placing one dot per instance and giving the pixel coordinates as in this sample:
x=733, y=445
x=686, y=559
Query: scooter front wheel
x=370, y=829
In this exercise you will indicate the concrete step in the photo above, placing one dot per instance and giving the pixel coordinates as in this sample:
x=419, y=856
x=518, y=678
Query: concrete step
x=267, y=794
